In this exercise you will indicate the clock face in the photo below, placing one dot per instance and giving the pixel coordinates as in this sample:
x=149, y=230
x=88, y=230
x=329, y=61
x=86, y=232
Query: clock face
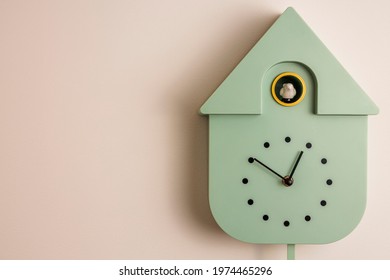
x=303, y=161
x=287, y=176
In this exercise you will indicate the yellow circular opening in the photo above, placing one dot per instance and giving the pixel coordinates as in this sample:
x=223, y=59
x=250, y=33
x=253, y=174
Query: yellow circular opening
x=298, y=85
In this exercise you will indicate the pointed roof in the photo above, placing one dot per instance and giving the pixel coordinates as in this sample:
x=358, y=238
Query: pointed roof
x=337, y=92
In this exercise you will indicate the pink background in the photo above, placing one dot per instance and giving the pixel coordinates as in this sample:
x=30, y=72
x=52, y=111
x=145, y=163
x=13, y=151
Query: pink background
x=102, y=152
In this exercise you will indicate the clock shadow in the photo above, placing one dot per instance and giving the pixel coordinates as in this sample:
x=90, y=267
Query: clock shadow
x=193, y=150
x=270, y=251
x=188, y=92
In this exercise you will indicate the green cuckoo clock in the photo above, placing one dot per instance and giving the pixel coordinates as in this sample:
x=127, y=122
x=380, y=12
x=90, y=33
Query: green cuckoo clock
x=288, y=142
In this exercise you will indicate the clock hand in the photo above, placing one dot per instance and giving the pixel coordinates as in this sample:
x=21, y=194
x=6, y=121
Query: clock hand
x=251, y=159
x=296, y=164
x=288, y=180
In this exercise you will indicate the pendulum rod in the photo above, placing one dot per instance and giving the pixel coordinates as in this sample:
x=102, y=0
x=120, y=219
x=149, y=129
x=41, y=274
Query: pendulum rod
x=291, y=251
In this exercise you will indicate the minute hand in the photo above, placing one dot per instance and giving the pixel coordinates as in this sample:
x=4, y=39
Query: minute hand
x=273, y=171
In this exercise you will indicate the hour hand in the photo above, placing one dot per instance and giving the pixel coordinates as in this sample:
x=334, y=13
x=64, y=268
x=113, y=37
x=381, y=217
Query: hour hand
x=288, y=180
x=296, y=163
x=252, y=159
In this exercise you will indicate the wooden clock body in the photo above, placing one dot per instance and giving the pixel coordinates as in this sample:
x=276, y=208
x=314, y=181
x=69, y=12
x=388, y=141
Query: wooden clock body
x=328, y=196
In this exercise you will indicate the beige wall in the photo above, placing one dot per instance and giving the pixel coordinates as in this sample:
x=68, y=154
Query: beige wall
x=102, y=152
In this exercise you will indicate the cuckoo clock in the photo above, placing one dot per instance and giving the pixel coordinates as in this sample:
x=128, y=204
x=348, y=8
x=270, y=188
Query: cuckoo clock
x=288, y=142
